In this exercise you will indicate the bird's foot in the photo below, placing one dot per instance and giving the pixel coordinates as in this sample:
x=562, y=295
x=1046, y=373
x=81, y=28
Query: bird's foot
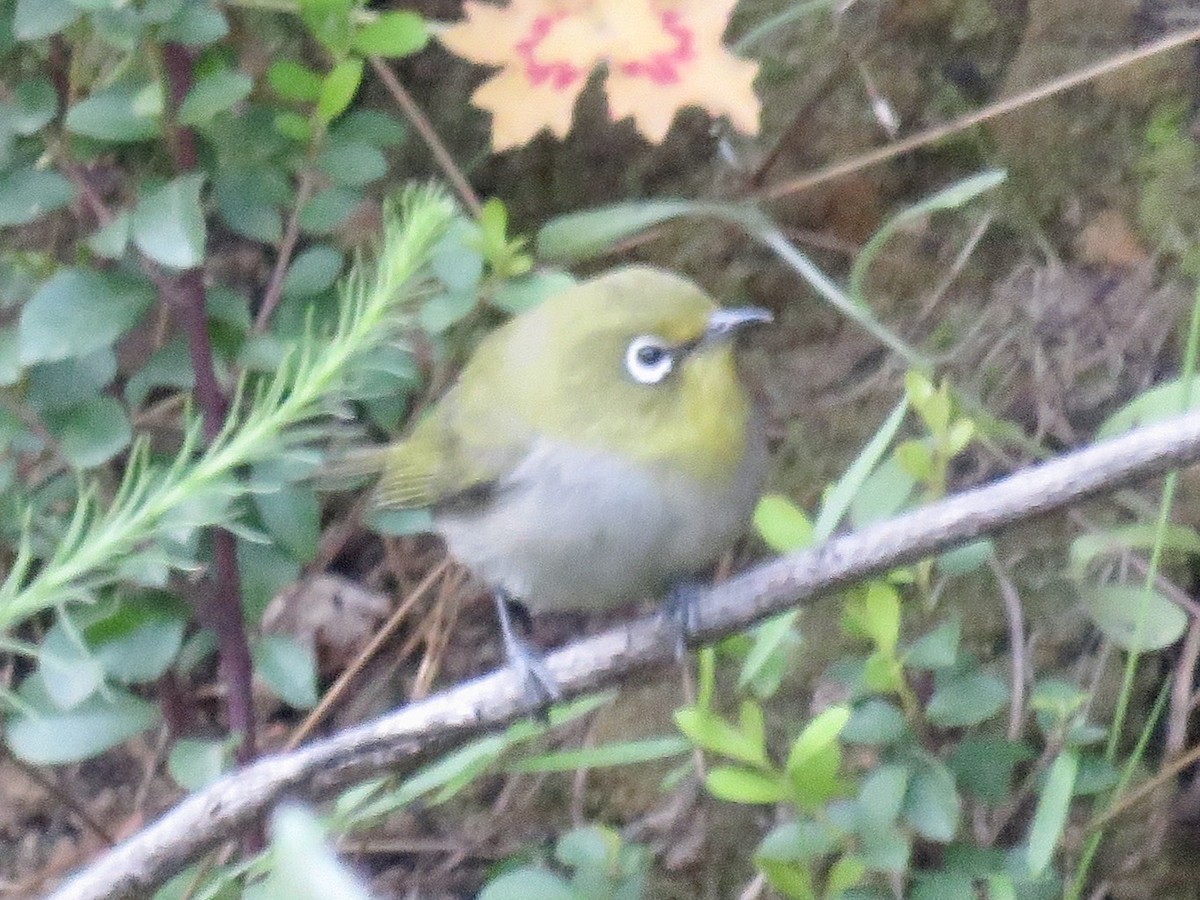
x=679, y=612
x=539, y=686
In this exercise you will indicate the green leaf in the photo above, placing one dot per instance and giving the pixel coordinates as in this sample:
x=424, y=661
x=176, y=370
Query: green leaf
x=936, y=650
x=35, y=19
x=517, y=295
x=328, y=209
x=78, y=311
x=195, y=763
x=738, y=785
x=622, y=753
x=248, y=199
x=368, y=126
x=942, y=886
x=292, y=515
x=527, y=882
x=91, y=432
x=798, y=841
x=120, y=114
x=304, y=867
x=69, y=671
x=214, y=92
x=44, y=735
x=27, y=194
x=444, y=310
x=141, y=639
x=58, y=385
x=265, y=570
x=313, y=271
x=966, y=559
x=781, y=524
x=819, y=734
x=170, y=366
x=457, y=260
x=338, y=89
x=197, y=24
x=576, y=236
x=111, y=240
x=294, y=126
x=293, y=81
x=10, y=357
x=932, y=806
x=710, y=732
x=774, y=640
x=1158, y=403
x=168, y=223
x=1050, y=816
x=36, y=105
x=985, y=766
x=399, y=522
x=329, y=22
x=392, y=34
x=885, y=849
x=874, y=722
x=351, y=164
x=882, y=795
x=289, y=667
x=885, y=492
x=1134, y=618
x=962, y=700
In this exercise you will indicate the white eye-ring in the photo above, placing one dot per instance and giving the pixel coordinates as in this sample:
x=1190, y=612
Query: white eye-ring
x=649, y=359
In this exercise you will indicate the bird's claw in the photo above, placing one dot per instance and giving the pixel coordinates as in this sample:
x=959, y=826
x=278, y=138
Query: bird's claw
x=679, y=613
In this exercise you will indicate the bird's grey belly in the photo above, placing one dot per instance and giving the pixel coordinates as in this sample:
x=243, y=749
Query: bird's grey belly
x=573, y=528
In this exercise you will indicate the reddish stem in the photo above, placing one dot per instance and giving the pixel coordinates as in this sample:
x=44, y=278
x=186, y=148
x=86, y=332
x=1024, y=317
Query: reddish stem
x=222, y=607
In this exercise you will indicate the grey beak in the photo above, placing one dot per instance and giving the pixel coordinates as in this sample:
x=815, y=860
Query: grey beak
x=724, y=323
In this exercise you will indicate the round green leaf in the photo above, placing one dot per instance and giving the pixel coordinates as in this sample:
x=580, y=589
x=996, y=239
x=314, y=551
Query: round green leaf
x=36, y=105
x=338, y=89
x=77, y=312
x=292, y=515
x=932, y=806
x=140, y=640
x=57, y=385
x=34, y=19
x=214, y=92
x=69, y=672
x=248, y=199
x=27, y=194
x=313, y=271
x=328, y=209
x=293, y=81
x=123, y=113
x=168, y=223
x=352, y=163
x=91, y=432
x=368, y=126
x=782, y=524
x=197, y=24
x=288, y=667
x=962, y=700
x=392, y=34
x=526, y=882
x=739, y=785
x=44, y=735
x=195, y=763
x=304, y=867
x=1132, y=618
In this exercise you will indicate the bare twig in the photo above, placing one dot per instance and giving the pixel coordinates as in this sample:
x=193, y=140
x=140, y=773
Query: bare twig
x=400, y=742
x=339, y=687
x=1014, y=612
x=287, y=246
x=425, y=129
x=992, y=110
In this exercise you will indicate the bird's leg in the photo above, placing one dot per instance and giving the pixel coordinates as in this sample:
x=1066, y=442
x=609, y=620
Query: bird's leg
x=539, y=685
x=679, y=611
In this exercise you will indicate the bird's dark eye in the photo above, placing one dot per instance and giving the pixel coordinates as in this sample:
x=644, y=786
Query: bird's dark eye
x=649, y=359
x=650, y=355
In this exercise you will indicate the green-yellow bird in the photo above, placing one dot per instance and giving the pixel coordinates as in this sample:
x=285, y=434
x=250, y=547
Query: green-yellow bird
x=595, y=450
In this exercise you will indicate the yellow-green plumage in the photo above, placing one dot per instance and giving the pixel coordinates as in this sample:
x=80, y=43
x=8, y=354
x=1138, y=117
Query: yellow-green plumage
x=558, y=477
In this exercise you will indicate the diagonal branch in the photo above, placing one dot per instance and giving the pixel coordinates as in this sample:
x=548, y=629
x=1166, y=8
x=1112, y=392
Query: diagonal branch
x=400, y=742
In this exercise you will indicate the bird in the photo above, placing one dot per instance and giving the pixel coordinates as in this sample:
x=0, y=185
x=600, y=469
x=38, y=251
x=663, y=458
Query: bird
x=597, y=449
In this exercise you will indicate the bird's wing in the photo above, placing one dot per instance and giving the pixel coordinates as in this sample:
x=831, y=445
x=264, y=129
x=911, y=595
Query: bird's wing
x=457, y=451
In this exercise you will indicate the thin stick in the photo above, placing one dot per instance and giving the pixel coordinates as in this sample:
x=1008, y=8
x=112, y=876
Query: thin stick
x=991, y=111
x=339, y=687
x=421, y=122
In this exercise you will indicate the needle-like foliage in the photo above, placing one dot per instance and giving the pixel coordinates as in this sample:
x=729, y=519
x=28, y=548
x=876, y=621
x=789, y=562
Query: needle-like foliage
x=195, y=490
